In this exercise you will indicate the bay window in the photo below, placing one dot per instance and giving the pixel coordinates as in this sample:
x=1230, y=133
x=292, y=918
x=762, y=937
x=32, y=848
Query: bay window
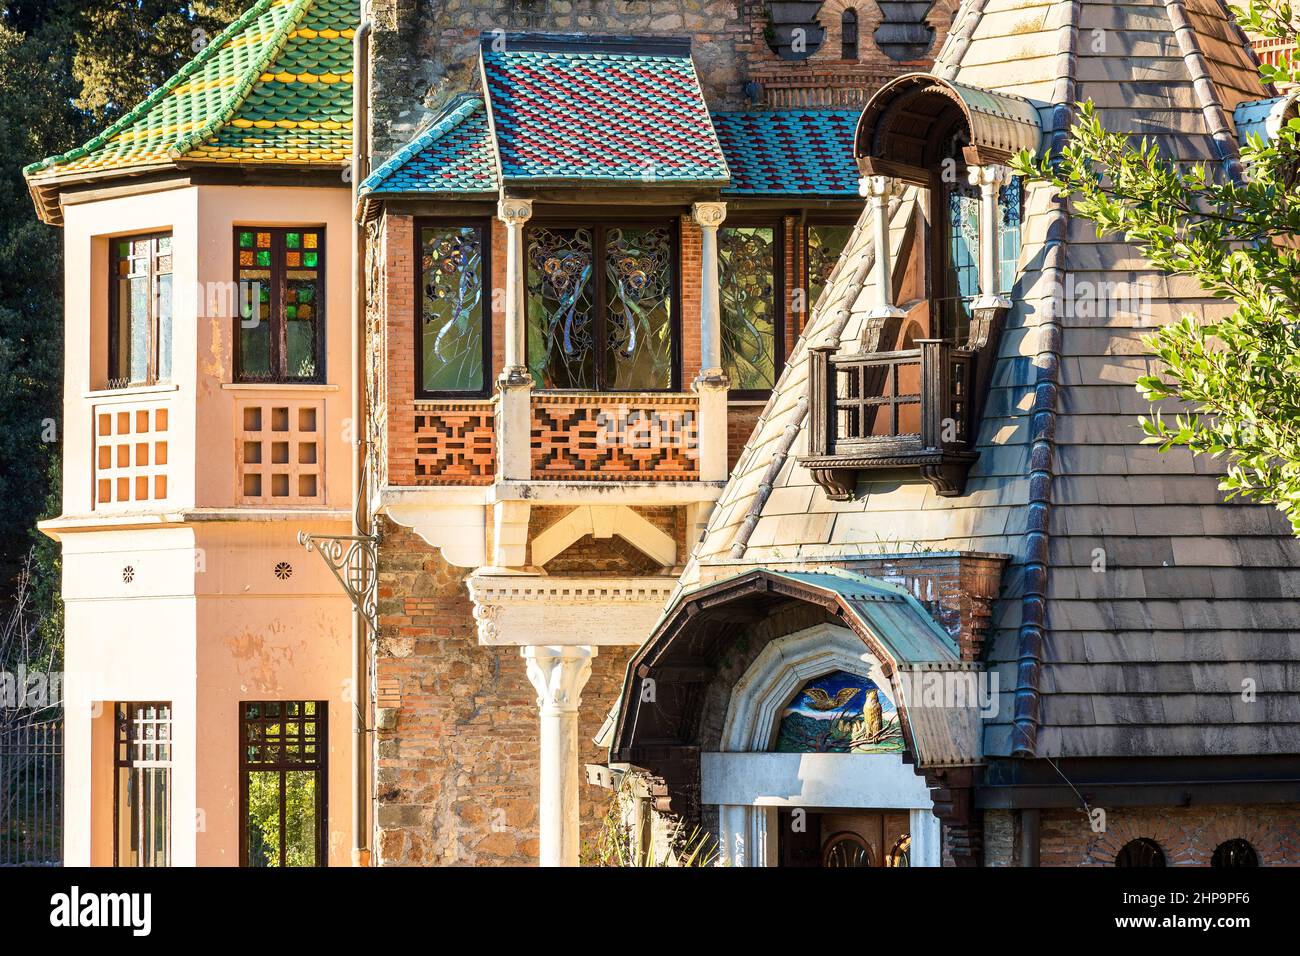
x=281, y=331
x=752, y=303
x=142, y=788
x=140, y=311
x=602, y=306
x=453, y=353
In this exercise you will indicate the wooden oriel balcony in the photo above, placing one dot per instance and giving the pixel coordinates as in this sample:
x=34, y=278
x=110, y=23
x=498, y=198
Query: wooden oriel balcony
x=888, y=410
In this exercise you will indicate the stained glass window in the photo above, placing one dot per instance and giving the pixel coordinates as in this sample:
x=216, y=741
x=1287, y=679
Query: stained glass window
x=962, y=252
x=601, y=309
x=453, y=349
x=281, y=304
x=751, y=327
x=140, y=311
x=825, y=245
x=840, y=713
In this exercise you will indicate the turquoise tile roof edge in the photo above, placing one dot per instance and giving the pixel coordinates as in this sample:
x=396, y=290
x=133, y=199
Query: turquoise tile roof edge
x=424, y=158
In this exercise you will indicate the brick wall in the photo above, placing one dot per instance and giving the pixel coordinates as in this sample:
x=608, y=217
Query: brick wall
x=457, y=776
x=690, y=286
x=1187, y=835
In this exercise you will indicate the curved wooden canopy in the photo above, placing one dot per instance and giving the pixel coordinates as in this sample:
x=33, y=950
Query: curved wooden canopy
x=902, y=120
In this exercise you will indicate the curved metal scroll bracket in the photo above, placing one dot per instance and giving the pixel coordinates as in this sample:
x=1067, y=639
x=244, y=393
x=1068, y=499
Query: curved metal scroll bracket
x=352, y=559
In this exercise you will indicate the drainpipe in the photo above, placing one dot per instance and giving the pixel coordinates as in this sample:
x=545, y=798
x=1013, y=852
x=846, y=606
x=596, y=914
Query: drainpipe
x=1029, y=839
x=360, y=524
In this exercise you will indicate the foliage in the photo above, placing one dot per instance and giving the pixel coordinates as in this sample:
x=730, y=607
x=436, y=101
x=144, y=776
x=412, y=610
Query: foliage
x=1237, y=373
x=667, y=842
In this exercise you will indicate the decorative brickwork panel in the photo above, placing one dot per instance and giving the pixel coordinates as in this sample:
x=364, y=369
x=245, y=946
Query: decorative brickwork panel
x=454, y=443
x=611, y=438
x=130, y=455
x=280, y=452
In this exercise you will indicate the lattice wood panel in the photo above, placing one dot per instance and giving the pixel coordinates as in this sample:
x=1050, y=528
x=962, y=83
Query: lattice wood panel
x=280, y=451
x=455, y=444
x=130, y=454
x=644, y=438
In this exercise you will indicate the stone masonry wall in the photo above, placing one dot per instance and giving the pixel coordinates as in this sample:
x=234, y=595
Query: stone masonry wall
x=457, y=777
x=1187, y=835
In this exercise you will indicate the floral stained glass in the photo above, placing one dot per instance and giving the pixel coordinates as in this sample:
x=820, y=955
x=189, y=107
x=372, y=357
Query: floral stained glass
x=826, y=244
x=451, y=317
x=561, y=308
x=747, y=286
x=639, y=319
x=840, y=713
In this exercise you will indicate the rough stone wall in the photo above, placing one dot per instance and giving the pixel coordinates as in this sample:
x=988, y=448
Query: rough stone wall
x=457, y=777
x=1188, y=835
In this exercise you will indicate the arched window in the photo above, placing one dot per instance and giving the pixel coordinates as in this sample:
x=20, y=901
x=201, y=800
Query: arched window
x=1141, y=852
x=849, y=34
x=846, y=849
x=1233, y=853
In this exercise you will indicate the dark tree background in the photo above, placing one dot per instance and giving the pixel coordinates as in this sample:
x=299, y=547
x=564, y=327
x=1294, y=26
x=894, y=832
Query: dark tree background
x=68, y=68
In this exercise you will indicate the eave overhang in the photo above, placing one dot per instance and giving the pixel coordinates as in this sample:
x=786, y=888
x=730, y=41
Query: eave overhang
x=680, y=656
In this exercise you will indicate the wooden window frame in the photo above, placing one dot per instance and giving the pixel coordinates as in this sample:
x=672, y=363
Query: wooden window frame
x=279, y=327
x=599, y=227
x=780, y=319
x=321, y=769
x=484, y=226
x=118, y=381
x=123, y=724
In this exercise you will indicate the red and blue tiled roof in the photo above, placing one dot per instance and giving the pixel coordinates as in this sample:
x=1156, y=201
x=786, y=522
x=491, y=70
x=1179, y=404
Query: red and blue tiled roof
x=789, y=152
x=453, y=155
x=599, y=109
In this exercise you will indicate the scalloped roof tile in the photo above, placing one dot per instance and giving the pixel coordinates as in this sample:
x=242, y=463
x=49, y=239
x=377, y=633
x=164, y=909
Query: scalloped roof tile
x=783, y=152
x=454, y=154
x=599, y=108
x=274, y=87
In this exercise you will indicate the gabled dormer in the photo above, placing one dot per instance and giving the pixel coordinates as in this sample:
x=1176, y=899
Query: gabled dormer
x=944, y=214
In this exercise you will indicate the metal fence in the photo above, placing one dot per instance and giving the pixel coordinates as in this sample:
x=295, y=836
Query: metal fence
x=31, y=793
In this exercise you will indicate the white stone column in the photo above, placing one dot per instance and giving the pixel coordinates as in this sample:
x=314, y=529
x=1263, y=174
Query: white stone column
x=989, y=178
x=514, y=459
x=709, y=216
x=711, y=384
x=878, y=190
x=559, y=674
x=927, y=839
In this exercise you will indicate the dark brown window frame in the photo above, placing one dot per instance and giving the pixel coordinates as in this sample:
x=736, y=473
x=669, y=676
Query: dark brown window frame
x=599, y=225
x=484, y=226
x=114, y=365
x=322, y=780
x=123, y=724
x=780, y=319
x=279, y=327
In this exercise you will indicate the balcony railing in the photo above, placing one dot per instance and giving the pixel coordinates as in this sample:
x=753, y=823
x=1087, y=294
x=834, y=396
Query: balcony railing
x=615, y=437
x=879, y=410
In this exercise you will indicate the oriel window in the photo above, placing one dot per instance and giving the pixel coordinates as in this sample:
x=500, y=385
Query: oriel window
x=282, y=793
x=602, y=306
x=453, y=341
x=140, y=311
x=752, y=306
x=281, y=328
x=142, y=795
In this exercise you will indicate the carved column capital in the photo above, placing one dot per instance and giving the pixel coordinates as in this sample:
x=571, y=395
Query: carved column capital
x=880, y=188
x=990, y=175
x=709, y=214
x=558, y=674
x=515, y=212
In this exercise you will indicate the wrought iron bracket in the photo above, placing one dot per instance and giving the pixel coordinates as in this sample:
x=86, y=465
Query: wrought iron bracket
x=353, y=560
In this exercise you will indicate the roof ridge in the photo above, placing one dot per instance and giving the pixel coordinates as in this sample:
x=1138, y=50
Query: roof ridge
x=251, y=78
x=238, y=25
x=460, y=108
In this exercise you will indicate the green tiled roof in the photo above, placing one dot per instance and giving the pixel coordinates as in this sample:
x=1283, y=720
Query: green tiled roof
x=275, y=87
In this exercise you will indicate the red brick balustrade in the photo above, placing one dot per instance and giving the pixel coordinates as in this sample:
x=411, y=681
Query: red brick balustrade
x=642, y=437
x=454, y=443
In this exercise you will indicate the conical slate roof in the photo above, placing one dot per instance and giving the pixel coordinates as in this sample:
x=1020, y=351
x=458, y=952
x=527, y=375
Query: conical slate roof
x=1160, y=599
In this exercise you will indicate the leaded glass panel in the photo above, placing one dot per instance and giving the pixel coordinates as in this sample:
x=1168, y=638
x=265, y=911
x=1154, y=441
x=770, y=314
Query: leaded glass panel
x=561, y=307
x=747, y=279
x=639, y=311
x=451, y=326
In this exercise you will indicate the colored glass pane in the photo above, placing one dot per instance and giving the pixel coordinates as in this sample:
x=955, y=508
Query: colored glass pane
x=747, y=286
x=639, y=309
x=451, y=315
x=561, y=308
